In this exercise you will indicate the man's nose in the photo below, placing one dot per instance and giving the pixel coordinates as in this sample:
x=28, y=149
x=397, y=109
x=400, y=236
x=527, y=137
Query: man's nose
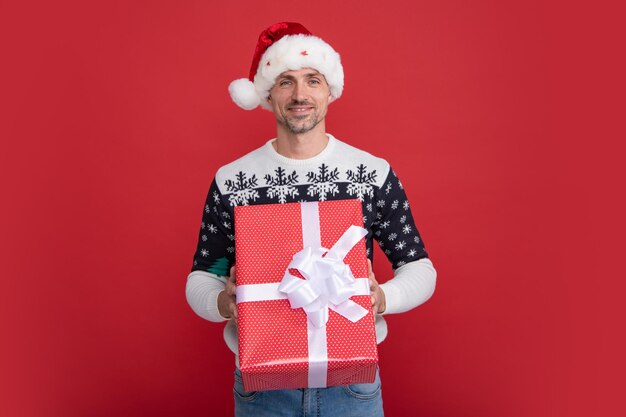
x=299, y=92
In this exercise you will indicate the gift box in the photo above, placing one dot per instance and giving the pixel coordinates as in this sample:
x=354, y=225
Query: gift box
x=304, y=308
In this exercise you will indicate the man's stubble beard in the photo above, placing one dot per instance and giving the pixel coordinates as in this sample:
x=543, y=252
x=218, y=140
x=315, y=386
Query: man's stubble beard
x=294, y=128
x=300, y=128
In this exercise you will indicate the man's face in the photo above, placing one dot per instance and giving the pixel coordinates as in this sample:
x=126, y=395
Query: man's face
x=300, y=99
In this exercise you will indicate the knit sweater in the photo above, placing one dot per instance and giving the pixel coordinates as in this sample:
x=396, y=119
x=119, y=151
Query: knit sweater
x=339, y=172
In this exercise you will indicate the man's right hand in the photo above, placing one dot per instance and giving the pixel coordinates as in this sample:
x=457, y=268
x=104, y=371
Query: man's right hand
x=226, y=302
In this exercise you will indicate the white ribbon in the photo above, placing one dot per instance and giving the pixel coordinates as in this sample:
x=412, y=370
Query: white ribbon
x=328, y=283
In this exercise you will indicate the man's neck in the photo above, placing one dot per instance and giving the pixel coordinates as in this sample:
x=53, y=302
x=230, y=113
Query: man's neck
x=300, y=146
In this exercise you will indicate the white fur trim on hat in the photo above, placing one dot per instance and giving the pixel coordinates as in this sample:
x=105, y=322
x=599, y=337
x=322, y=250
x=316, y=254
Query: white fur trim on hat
x=292, y=52
x=244, y=94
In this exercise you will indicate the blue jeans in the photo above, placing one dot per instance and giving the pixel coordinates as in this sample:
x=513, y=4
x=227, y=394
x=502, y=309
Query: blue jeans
x=358, y=400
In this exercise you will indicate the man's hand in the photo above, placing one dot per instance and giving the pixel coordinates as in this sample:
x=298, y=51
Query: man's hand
x=378, y=296
x=226, y=303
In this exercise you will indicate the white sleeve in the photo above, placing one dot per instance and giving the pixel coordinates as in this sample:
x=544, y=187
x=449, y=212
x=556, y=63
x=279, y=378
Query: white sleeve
x=202, y=290
x=411, y=285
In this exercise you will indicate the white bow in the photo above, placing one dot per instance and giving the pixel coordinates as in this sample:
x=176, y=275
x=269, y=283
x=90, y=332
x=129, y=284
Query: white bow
x=328, y=282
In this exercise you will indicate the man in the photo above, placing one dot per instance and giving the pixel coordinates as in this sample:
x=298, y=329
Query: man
x=296, y=76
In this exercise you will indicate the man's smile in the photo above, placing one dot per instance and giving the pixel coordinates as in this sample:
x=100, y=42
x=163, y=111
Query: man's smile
x=300, y=108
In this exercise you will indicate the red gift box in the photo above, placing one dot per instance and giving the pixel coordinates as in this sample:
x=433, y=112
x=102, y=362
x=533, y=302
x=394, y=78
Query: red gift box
x=282, y=346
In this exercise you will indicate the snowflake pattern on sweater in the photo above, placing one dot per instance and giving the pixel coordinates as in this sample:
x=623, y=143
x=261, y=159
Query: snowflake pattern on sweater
x=323, y=183
x=340, y=172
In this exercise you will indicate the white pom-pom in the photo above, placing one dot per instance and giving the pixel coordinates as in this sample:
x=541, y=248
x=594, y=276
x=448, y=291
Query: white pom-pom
x=244, y=94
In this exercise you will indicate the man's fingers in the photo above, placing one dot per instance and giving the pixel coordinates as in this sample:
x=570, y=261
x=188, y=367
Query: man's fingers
x=231, y=290
x=375, y=304
x=226, y=304
x=231, y=283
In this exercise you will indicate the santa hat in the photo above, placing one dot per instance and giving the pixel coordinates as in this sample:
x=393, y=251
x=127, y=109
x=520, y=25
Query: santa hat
x=282, y=47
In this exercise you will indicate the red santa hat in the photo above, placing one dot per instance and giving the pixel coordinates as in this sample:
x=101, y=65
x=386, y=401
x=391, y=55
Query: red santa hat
x=283, y=47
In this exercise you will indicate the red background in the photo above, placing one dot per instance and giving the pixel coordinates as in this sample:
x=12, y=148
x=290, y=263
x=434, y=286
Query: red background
x=115, y=116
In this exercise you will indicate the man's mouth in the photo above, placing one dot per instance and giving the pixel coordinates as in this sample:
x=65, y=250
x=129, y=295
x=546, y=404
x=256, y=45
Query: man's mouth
x=299, y=109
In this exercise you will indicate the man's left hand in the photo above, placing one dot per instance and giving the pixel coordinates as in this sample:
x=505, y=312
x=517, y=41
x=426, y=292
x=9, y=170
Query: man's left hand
x=378, y=295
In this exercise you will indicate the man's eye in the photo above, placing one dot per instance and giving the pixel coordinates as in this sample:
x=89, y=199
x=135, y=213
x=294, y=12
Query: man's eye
x=284, y=83
x=314, y=81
